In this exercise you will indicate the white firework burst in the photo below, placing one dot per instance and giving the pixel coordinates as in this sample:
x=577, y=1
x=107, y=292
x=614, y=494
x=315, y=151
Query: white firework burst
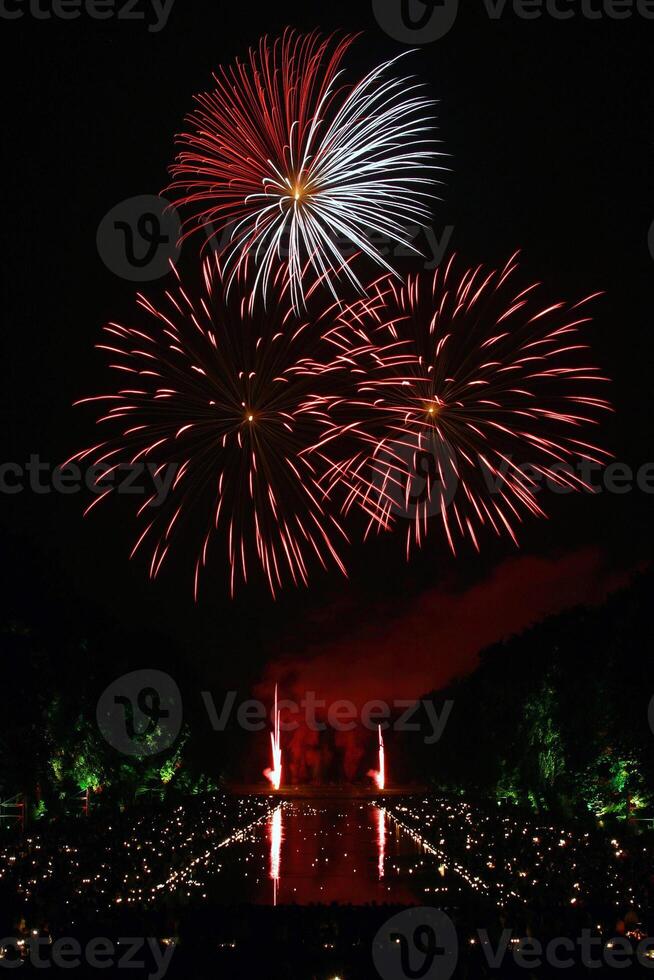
x=285, y=168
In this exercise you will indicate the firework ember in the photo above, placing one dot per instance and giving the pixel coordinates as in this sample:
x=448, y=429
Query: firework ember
x=295, y=169
x=474, y=394
x=228, y=402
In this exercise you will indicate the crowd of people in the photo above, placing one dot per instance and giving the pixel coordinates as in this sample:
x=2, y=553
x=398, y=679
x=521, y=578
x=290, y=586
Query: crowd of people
x=542, y=876
x=491, y=867
x=103, y=868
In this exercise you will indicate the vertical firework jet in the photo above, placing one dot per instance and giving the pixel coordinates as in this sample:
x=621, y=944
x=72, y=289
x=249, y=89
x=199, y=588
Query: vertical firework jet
x=379, y=775
x=274, y=774
x=296, y=170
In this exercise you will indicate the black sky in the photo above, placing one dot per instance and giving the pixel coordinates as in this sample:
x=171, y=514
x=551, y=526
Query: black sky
x=548, y=124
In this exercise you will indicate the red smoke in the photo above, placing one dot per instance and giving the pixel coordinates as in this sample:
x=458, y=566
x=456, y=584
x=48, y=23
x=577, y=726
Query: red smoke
x=437, y=637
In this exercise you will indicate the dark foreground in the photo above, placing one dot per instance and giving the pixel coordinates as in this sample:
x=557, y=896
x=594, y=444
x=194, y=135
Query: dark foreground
x=230, y=887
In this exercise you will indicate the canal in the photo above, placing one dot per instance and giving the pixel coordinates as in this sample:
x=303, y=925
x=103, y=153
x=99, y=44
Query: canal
x=345, y=851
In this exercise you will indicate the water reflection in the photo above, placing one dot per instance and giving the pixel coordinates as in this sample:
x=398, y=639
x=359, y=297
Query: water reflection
x=381, y=839
x=344, y=851
x=275, y=824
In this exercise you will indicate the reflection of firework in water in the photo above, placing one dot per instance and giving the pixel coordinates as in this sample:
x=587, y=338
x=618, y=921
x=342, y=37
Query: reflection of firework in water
x=228, y=401
x=474, y=394
x=381, y=840
x=276, y=834
x=296, y=165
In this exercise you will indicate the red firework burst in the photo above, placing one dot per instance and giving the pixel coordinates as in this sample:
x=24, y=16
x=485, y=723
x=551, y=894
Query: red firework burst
x=229, y=401
x=296, y=166
x=473, y=393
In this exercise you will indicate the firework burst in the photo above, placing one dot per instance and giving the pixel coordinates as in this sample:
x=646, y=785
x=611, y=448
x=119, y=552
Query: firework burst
x=228, y=401
x=296, y=169
x=474, y=394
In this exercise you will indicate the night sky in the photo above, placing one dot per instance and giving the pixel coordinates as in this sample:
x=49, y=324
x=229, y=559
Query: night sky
x=548, y=124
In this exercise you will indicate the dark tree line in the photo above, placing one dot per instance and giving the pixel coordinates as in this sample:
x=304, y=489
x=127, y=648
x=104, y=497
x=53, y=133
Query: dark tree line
x=558, y=716
x=555, y=718
x=52, y=751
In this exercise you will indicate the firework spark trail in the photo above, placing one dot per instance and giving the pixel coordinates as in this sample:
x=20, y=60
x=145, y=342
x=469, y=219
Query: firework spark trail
x=473, y=393
x=288, y=158
x=453, y=396
x=230, y=401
